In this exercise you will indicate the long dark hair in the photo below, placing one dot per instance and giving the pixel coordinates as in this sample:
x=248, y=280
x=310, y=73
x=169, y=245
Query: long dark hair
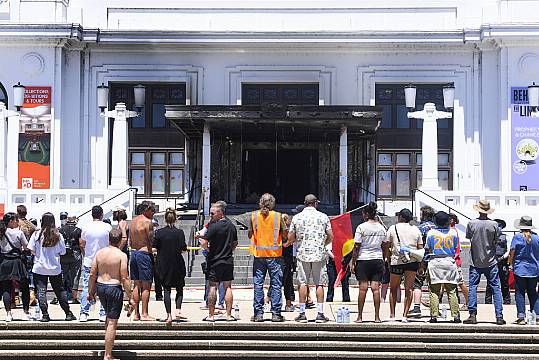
x=50, y=233
x=4, y=223
x=370, y=212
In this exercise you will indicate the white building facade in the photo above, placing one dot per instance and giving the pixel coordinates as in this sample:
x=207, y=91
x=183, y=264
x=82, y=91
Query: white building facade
x=331, y=53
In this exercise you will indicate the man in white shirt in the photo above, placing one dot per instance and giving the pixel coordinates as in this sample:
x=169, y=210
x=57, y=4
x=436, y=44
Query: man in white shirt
x=95, y=236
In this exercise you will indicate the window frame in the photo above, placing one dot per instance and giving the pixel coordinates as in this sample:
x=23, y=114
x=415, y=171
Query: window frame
x=167, y=167
x=413, y=167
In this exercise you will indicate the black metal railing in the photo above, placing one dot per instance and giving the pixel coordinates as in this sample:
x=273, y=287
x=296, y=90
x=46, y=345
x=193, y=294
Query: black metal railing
x=450, y=208
x=114, y=197
x=376, y=199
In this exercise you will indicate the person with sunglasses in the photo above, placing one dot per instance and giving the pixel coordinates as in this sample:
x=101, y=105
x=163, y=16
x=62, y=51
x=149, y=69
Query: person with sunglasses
x=12, y=244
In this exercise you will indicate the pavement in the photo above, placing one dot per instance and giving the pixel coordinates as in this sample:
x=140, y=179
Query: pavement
x=193, y=309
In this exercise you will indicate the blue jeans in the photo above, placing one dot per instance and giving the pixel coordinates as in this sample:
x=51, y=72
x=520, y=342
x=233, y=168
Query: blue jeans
x=525, y=285
x=221, y=290
x=261, y=266
x=493, y=280
x=84, y=303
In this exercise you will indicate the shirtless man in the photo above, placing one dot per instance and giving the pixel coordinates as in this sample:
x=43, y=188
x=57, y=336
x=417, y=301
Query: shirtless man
x=141, y=266
x=111, y=265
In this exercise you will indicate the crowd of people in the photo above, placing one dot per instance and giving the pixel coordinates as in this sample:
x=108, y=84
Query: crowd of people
x=120, y=262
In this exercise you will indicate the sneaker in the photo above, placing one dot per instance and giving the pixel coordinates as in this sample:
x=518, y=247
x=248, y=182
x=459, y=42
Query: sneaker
x=471, y=320
x=520, y=321
x=83, y=317
x=102, y=318
x=70, y=316
x=500, y=321
x=277, y=318
x=9, y=318
x=457, y=320
x=433, y=320
x=257, y=318
x=54, y=301
x=220, y=307
x=464, y=307
x=75, y=302
x=405, y=320
x=290, y=308
x=415, y=312
x=27, y=317
x=321, y=318
x=301, y=318
x=45, y=318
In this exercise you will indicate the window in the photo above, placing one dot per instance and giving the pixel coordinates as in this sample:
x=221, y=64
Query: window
x=285, y=94
x=157, y=172
x=399, y=171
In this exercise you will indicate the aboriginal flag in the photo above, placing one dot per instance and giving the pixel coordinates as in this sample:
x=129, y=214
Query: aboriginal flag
x=343, y=244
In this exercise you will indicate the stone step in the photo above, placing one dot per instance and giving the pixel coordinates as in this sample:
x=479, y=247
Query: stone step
x=276, y=346
x=249, y=354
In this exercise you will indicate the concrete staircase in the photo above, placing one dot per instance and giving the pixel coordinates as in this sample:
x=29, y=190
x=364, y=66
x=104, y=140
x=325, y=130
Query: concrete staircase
x=280, y=341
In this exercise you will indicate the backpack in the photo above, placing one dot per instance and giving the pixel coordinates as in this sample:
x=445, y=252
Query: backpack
x=71, y=239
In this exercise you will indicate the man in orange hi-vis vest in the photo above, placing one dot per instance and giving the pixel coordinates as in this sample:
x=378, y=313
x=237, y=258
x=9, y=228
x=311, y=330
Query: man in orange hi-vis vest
x=266, y=229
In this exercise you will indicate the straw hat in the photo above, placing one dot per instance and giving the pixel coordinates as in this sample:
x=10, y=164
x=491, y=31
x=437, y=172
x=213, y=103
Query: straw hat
x=524, y=223
x=483, y=206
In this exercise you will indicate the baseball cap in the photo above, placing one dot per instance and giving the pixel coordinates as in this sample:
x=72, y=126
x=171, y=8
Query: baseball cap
x=441, y=218
x=406, y=214
x=63, y=215
x=310, y=199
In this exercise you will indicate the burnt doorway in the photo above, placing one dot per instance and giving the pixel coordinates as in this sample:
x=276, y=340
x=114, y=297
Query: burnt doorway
x=289, y=174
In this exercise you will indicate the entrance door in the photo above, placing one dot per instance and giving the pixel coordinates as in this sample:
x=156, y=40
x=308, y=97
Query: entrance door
x=289, y=175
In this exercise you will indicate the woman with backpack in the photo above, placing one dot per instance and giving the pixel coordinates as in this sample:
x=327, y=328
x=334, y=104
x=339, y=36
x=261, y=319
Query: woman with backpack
x=12, y=244
x=47, y=245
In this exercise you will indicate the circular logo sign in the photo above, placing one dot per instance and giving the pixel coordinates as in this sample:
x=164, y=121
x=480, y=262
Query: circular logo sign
x=520, y=167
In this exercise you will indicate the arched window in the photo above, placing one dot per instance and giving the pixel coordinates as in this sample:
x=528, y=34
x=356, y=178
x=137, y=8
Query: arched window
x=3, y=94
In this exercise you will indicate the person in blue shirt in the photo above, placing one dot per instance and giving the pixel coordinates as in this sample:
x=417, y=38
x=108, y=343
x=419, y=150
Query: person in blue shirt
x=440, y=252
x=524, y=257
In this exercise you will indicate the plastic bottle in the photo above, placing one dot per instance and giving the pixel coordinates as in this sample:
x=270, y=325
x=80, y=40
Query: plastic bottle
x=530, y=318
x=340, y=315
x=444, y=311
x=237, y=311
x=37, y=313
x=346, y=316
x=534, y=318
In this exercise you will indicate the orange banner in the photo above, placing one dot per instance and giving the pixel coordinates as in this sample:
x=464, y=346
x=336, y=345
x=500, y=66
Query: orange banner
x=35, y=138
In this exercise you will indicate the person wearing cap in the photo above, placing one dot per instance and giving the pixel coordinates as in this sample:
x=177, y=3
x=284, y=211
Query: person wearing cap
x=265, y=231
x=311, y=230
x=63, y=218
x=524, y=257
x=402, y=234
x=441, y=250
x=426, y=224
x=94, y=237
x=502, y=254
x=484, y=235
x=71, y=261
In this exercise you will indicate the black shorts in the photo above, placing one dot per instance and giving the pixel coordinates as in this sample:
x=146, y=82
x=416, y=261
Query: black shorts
x=419, y=280
x=400, y=269
x=220, y=272
x=141, y=266
x=111, y=297
x=370, y=270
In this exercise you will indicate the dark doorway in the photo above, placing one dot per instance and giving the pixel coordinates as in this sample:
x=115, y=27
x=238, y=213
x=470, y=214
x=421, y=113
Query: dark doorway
x=289, y=174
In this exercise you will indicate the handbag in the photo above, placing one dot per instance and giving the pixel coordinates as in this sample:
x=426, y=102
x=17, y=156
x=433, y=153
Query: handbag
x=402, y=257
x=14, y=253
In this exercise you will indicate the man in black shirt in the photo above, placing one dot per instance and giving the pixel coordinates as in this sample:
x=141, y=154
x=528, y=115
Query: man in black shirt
x=220, y=240
x=71, y=262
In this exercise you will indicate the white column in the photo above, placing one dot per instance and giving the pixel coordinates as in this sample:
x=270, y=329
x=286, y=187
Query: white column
x=12, y=152
x=3, y=115
x=343, y=169
x=206, y=167
x=429, y=149
x=119, y=175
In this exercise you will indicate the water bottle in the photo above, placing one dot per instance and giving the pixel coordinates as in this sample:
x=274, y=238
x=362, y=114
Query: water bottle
x=530, y=318
x=237, y=311
x=346, y=316
x=340, y=315
x=37, y=313
x=444, y=311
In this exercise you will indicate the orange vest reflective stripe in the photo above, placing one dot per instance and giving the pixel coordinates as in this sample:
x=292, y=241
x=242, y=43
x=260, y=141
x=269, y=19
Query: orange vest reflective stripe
x=266, y=241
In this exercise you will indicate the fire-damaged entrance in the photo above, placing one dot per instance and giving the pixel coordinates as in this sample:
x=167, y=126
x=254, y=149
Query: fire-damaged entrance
x=236, y=153
x=288, y=173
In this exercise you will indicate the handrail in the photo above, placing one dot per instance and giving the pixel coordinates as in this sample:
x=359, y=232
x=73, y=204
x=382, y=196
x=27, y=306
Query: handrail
x=112, y=198
x=182, y=195
x=376, y=198
x=451, y=209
